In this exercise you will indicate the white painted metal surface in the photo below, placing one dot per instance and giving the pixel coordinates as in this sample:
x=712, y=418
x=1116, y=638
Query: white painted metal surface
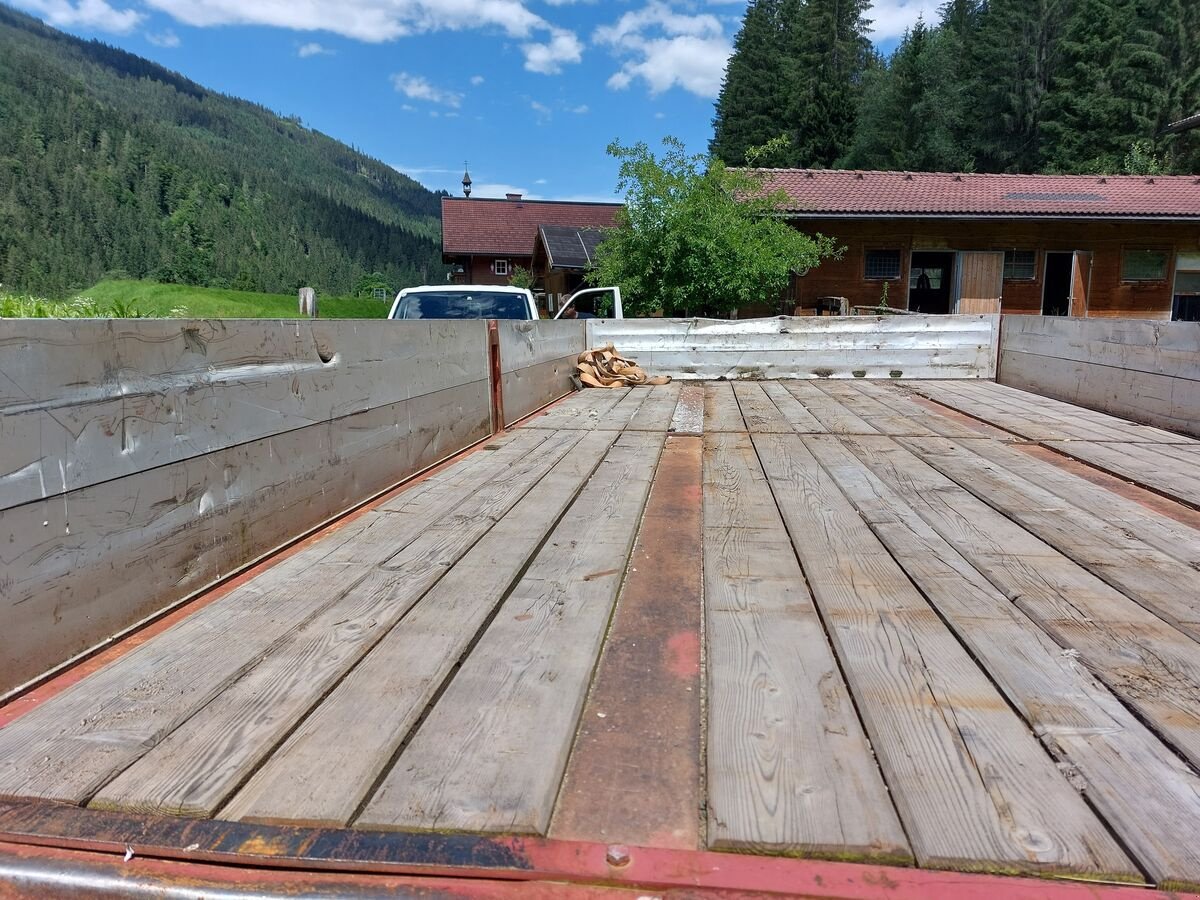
x=807, y=347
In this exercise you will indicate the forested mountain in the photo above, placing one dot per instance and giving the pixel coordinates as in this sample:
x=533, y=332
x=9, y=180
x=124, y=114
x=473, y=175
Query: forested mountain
x=112, y=165
x=992, y=86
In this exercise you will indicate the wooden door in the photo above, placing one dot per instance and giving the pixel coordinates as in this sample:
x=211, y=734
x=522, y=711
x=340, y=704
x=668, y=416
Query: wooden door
x=1081, y=278
x=980, y=281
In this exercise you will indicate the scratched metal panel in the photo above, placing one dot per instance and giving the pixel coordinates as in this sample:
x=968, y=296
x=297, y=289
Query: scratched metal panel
x=807, y=347
x=537, y=360
x=1147, y=371
x=84, y=401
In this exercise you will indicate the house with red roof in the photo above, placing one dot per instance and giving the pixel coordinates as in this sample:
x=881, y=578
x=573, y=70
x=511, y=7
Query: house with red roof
x=485, y=240
x=1078, y=245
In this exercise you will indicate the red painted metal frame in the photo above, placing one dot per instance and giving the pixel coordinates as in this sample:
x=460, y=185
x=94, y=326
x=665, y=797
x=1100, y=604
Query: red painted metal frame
x=188, y=849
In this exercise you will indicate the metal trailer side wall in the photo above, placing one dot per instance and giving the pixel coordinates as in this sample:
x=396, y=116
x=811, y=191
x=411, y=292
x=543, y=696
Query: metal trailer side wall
x=141, y=460
x=807, y=346
x=1147, y=371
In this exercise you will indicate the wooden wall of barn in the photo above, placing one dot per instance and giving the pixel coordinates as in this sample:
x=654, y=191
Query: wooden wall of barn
x=1109, y=295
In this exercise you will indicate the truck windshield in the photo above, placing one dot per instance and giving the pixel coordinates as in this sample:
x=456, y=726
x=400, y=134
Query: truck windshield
x=462, y=305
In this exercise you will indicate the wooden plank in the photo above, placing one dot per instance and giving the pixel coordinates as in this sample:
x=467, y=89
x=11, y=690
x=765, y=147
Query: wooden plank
x=949, y=393
x=980, y=281
x=582, y=409
x=831, y=413
x=87, y=401
x=689, y=412
x=1167, y=534
x=789, y=768
x=182, y=526
x=635, y=770
x=491, y=753
x=70, y=746
x=880, y=416
x=202, y=761
x=896, y=396
x=657, y=410
x=1148, y=796
x=328, y=766
x=1161, y=583
x=936, y=722
x=721, y=411
x=1141, y=464
x=1151, y=665
x=792, y=410
x=759, y=410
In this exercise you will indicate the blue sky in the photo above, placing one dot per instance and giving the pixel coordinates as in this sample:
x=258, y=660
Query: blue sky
x=530, y=92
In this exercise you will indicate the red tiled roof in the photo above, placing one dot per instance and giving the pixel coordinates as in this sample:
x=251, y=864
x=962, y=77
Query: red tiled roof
x=511, y=226
x=825, y=192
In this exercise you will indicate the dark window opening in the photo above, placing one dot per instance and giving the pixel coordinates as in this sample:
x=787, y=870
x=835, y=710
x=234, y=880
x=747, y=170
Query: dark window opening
x=1144, y=265
x=931, y=282
x=1056, y=293
x=882, y=265
x=1020, y=265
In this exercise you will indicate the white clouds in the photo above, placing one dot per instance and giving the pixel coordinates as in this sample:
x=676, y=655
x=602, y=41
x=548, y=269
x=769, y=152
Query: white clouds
x=498, y=191
x=167, y=38
x=547, y=47
x=415, y=87
x=667, y=48
x=889, y=18
x=476, y=80
x=97, y=14
x=313, y=49
x=580, y=110
x=548, y=58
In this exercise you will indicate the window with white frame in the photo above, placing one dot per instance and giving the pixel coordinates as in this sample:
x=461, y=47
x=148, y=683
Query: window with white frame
x=500, y=267
x=1020, y=265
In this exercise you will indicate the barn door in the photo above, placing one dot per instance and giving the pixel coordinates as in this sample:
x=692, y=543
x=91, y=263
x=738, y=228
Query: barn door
x=980, y=281
x=1081, y=278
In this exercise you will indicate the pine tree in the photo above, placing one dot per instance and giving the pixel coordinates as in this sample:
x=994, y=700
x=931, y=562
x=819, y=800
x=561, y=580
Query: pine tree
x=829, y=55
x=1014, y=60
x=1110, y=91
x=753, y=100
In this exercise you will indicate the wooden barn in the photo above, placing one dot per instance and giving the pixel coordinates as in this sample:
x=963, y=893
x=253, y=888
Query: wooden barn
x=1062, y=245
x=487, y=239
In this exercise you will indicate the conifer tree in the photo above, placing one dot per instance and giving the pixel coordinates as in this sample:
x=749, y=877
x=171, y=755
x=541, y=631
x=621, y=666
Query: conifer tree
x=753, y=99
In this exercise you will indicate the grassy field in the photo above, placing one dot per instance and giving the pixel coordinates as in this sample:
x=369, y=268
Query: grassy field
x=149, y=299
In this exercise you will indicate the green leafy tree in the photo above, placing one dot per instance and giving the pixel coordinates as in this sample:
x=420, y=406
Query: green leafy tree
x=752, y=106
x=698, y=238
x=521, y=278
x=367, y=284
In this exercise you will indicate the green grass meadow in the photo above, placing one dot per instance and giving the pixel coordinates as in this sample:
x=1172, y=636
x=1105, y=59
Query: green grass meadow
x=150, y=300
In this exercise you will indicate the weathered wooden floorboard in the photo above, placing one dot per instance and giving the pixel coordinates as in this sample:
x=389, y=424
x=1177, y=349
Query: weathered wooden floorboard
x=721, y=410
x=789, y=768
x=950, y=393
x=658, y=408
x=832, y=414
x=490, y=755
x=583, y=409
x=792, y=410
x=1124, y=516
x=70, y=746
x=1161, y=583
x=759, y=410
x=898, y=397
x=195, y=768
x=1146, y=793
x=1151, y=665
x=327, y=767
x=1139, y=463
x=974, y=788
x=883, y=417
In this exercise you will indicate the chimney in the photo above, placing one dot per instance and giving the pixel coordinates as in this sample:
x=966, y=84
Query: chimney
x=511, y=196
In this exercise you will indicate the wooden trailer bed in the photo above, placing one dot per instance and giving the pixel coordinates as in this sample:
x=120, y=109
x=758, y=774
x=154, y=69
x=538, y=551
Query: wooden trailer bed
x=947, y=625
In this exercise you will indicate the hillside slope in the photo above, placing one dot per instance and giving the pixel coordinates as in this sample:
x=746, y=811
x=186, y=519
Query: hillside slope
x=112, y=165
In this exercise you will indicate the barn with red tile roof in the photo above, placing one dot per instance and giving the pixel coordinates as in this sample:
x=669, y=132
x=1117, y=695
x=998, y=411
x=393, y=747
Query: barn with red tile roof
x=1117, y=245
x=487, y=239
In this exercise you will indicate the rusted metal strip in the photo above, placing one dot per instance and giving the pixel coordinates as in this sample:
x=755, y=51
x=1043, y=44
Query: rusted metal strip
x=496, y=371
x=44, y=829
x=634, y=773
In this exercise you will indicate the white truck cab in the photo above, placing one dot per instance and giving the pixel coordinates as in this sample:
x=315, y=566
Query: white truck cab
x=483, y=301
